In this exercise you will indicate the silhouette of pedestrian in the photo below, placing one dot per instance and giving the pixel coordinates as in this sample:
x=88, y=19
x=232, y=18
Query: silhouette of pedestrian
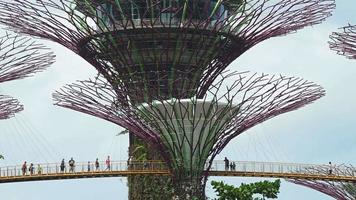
x=108, y=163
x=88, y=166
x=97, y=164
x=39, y=170
x=330, y=168
x=24, y=168
x=71, y=165
x=145, y=164
x=63, y=166
x=31, y=169
x=226, y=164
x=129, y=162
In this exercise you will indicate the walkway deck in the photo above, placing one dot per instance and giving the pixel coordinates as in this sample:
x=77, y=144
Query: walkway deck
x=157, y=168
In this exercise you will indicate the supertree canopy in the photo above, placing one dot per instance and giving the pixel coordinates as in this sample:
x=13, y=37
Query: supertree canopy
x=189, y=132
x=131, y=40
x=344, y=43
x=337, y=190
x=20, y=57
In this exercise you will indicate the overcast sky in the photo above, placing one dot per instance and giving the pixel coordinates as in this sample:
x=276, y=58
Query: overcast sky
x=319, y=133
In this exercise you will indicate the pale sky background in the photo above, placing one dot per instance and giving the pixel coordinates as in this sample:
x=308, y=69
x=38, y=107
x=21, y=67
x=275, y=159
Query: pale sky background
x=321, y=132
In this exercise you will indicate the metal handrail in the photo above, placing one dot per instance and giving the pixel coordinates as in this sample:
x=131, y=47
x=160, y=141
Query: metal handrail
x=156, y=166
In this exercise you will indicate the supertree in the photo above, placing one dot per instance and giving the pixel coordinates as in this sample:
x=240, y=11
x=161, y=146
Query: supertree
x=337, y=190
x=134, y=43
x=20, y=57
x=189, y=132
x=344, y=43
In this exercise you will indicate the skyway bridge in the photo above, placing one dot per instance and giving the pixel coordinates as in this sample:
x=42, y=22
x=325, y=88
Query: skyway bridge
x=52, y=171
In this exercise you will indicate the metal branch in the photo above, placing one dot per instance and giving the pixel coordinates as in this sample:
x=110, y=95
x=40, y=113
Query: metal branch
x=337, y=190
x=8, y=107
x=21, y=57
x=344, y=43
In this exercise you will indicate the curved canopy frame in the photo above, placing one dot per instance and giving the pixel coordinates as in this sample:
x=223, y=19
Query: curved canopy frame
x=337, y=190
x=8, y=107
x=344, y=42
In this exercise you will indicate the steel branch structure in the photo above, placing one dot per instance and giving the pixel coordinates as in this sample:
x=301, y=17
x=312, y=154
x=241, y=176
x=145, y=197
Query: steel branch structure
x=344, y=43
x=190, y=132
x=8, y=106
x=337, y=190
x=123, y=38
x=20, y=57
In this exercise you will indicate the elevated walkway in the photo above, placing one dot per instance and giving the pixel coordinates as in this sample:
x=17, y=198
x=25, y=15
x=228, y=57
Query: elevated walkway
x=52, y=171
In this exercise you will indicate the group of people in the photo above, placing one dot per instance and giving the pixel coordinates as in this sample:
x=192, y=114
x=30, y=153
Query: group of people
x=71, y=164
x=228, y=164
x=30, y=168
x=96, y=167
x=62, y=167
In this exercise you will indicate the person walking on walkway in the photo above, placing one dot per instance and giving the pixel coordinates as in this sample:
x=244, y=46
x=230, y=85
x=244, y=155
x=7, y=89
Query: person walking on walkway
x=227, y=164
x=39, y=170
x=24, y=168
x=330, y=168
x=129, y=162
x=71, y=165
x=63, y=166
x=108, y=164
x=97, y=165
x=31, y=169
x=88, y=166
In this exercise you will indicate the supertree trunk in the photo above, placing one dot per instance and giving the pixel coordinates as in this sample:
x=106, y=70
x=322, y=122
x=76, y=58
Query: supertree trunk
x=189, y=133
x=184, y=44
x=20, y=57
x=337, y=190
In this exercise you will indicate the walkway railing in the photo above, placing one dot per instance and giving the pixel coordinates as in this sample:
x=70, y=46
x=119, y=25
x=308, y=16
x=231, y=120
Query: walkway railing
x=82, y=167
x=53, y=171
